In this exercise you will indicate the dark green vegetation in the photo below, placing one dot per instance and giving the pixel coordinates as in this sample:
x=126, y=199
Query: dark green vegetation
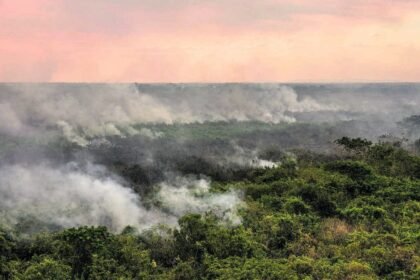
x=352, y=215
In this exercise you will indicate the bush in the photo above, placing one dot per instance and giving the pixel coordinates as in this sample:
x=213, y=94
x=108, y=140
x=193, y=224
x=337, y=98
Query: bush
x=356, y=170
x=48, y=269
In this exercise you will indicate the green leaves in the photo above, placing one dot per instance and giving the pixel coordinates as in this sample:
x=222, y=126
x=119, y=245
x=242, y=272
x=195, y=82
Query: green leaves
x=47, y=269
x=351, y=218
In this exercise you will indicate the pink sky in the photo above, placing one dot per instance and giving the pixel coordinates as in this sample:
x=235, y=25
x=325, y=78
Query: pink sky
x=209, y=40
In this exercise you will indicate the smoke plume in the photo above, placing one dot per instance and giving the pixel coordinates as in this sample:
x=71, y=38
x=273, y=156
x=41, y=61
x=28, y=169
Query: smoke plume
x=71, y=196
x=97, y=110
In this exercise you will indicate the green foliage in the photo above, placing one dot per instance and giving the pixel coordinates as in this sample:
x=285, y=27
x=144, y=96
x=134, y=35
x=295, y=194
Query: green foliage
x=354, y=145
x=185, y=270
x=212, y=130
x=198, y=236
x=82, y=243
x=319, y=198
x=391, y=160
x=354, y=169
x=286, y=170
x=47, y=269
x=296, y=205
x=355, y=216
x=249, y=269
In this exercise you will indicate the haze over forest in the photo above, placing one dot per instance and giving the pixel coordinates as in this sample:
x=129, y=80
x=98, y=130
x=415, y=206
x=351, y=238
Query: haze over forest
x=266, y=167
x=209, y=140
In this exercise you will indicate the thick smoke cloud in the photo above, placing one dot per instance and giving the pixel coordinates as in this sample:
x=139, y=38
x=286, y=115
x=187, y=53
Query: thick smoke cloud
x=95, y=110
x=66, y=197
x=70, y=196
x=83, y=111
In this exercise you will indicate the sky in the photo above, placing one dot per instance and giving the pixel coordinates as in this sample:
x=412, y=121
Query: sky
x=209, y=40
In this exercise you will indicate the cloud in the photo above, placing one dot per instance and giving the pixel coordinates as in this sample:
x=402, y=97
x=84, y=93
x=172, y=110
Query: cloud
x=195, y=41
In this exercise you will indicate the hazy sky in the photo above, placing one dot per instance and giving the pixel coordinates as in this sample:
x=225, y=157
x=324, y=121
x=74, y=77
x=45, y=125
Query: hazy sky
x=209, y=40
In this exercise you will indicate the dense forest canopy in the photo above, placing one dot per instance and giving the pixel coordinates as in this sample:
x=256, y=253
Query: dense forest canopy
x=228, y=181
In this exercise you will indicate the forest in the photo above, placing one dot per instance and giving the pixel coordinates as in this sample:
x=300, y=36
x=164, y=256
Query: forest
x=300, y=186
x=351, y=215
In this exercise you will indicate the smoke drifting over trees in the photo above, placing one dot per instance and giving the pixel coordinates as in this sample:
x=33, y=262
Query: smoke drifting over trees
x=216, y=181
x=106, y=109
x=113, y=109
x=82, y=154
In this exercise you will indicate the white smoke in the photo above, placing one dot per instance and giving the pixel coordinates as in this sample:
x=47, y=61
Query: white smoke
x=184, y=196
x=263, y=163
x=69, y=196
x=83, y=111
x=242, y=156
